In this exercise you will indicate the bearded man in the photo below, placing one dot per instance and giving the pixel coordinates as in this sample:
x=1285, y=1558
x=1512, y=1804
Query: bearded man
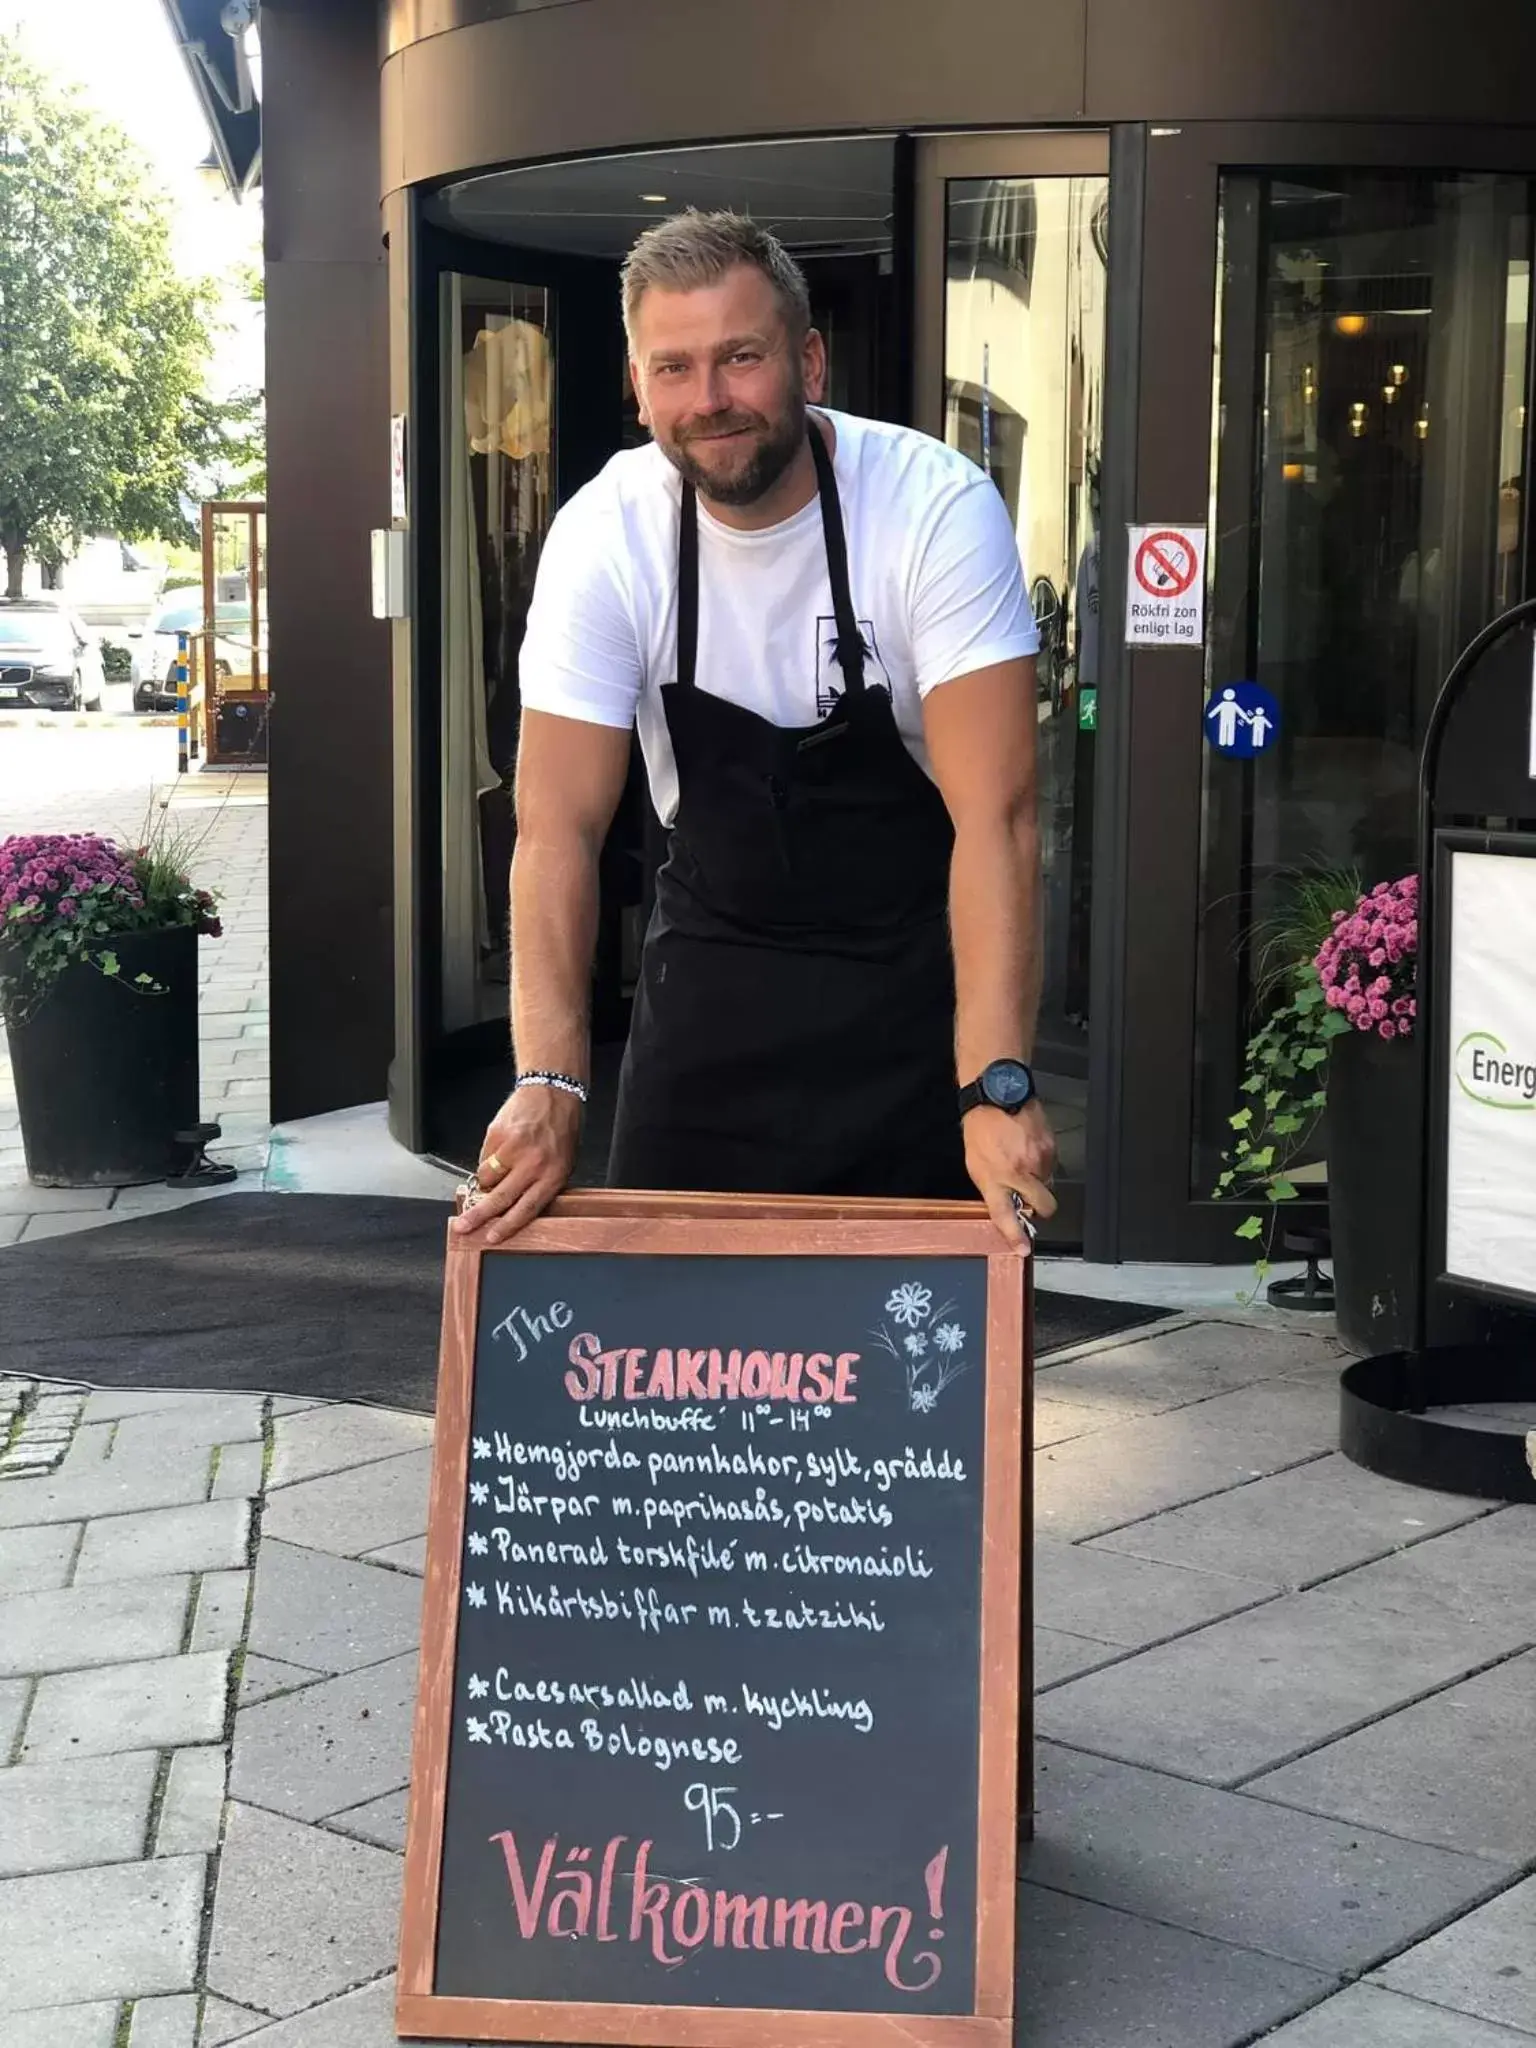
x=820, y=627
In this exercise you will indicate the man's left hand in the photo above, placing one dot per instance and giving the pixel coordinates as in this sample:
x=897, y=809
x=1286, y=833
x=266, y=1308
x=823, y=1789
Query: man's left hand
x=1007, y=1154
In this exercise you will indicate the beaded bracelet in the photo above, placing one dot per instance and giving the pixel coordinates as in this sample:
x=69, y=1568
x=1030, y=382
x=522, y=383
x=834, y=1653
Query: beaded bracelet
x=566, y=1083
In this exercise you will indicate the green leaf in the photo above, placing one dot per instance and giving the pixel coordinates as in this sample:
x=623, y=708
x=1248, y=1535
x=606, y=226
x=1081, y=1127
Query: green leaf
x=1312, y=1057
x=110, y=963
x=106, y=421
x=1261, y=1162
x=1309, y=997
x=1262, y=1270
x=1282, y=1190
x=1274, y=1098
x=1251, y=1226
x=1284, y=1125
x=1241, y=1120
x=143, y=981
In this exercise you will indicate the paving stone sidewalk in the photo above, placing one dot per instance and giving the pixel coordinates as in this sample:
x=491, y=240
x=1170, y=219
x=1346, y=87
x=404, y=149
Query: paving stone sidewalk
x=1286, y=1714
x=108, y=777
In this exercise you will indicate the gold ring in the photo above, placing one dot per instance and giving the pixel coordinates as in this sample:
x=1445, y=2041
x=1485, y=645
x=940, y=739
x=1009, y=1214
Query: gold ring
x=491, y=1164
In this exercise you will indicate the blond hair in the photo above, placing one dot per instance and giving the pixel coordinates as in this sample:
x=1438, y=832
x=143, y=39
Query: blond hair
x=694, y=249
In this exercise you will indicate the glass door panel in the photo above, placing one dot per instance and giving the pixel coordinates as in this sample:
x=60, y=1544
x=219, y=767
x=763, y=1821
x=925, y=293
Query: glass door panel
x=497, y=501
x=1013, y=263
x=1369, y=465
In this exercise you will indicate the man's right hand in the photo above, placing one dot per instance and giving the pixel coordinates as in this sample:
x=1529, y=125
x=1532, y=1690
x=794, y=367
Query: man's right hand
x=525, y=1161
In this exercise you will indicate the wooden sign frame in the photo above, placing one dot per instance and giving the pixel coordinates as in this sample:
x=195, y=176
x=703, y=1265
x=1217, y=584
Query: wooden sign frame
x=699, y=1226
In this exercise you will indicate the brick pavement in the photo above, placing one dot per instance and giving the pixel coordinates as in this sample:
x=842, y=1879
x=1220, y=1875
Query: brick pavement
x=103, y=775
x=1285, y=1714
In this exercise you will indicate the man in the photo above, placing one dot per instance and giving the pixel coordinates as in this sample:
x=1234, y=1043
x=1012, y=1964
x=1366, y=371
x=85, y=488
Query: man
x=819, y=624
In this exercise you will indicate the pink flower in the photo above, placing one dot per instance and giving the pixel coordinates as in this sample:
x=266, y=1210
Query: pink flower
x=1370, y=955
x=1388, y=1029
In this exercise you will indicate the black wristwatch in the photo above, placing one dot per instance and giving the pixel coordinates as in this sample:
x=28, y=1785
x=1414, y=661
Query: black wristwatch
x=1005, y=1085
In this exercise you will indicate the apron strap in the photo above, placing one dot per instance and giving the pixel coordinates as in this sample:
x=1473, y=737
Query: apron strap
x=688, y=588
x=850, y=645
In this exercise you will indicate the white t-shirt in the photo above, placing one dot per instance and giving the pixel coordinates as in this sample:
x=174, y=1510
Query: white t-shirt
x=938, y=591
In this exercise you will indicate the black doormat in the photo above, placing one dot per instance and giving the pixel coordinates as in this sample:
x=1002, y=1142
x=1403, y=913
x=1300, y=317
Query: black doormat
x=336, y=1296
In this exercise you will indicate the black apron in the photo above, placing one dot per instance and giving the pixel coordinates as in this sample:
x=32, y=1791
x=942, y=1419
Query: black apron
x=793, y=1030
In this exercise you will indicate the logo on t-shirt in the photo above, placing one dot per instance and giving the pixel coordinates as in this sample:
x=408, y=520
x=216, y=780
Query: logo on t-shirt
x=829, y=673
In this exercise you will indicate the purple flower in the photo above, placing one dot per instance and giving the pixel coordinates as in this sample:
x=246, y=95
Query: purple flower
x=1370, y=954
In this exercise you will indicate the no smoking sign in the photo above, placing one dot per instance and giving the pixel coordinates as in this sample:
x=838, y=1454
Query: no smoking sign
x=1165, y=591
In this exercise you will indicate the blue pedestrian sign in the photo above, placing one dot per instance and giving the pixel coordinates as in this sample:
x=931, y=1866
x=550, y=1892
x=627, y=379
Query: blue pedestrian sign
x=1242, y=719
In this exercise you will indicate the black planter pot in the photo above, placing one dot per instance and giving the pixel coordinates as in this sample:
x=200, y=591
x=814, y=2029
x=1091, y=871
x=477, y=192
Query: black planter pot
x=106, y=1069
x=1375, y=1170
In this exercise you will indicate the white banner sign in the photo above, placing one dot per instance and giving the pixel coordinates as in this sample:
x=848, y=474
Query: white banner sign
x=1490, y=1163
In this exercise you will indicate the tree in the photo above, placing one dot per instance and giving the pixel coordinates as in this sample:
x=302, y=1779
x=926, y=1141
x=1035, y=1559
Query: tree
x=105, y=424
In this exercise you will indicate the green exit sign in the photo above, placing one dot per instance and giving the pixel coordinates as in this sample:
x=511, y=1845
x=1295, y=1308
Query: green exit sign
x=1088, y=708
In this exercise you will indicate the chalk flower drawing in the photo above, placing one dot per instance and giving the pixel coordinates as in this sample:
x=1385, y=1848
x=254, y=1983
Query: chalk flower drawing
x=479, y=1493
x=479, y=1688
x=475, y=1595
x=481, y=1447
x=478, y=1544
x=479, y=1731
x=910, y=1307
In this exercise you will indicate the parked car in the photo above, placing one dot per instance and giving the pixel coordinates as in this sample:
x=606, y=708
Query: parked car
x=49, y=659
x=155, y=651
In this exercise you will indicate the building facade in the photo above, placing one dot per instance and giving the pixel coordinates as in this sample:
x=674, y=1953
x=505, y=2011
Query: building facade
x=1265, y=270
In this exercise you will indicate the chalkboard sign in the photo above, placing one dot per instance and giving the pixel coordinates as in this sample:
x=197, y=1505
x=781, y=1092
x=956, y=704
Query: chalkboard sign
x=718, y=1718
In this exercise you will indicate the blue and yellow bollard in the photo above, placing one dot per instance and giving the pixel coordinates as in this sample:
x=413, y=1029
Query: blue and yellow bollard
x=183, y=716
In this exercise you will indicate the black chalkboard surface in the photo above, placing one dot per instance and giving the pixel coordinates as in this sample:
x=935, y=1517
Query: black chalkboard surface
x=710, y=1667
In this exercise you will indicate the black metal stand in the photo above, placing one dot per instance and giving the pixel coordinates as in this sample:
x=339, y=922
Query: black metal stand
x=193, y=1167
x=1311, y=1292
x=1387, y=1421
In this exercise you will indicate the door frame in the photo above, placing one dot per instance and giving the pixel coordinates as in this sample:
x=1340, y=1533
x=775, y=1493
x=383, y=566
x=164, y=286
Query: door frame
x=1156, y=904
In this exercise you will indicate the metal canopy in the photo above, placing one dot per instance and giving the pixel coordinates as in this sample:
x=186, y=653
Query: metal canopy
x=221, y=78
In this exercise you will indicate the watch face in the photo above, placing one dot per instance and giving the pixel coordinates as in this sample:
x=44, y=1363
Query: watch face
x=1007, y=1084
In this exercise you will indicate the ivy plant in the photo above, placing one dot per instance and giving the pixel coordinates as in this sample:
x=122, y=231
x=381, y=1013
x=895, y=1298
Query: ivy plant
x=1285, y=1064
